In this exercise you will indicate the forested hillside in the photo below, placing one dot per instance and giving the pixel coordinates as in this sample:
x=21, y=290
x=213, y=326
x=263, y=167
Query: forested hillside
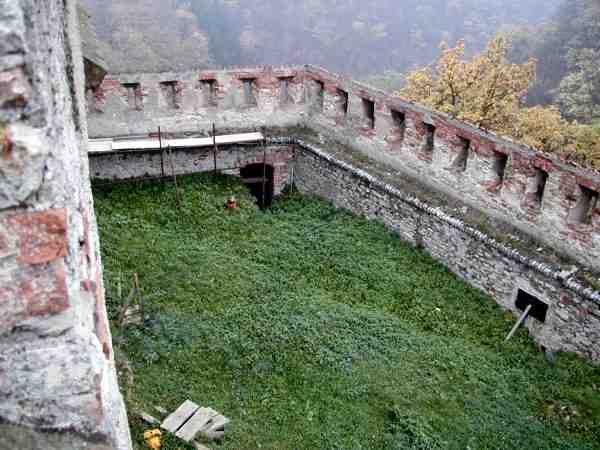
x=359, y=37
x=567, y=49
x=149, y=35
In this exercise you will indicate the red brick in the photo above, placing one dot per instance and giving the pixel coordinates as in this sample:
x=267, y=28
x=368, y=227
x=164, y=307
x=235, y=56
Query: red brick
x=14, y=87
x=42, y=235
x=101, y=321
x=44, y=291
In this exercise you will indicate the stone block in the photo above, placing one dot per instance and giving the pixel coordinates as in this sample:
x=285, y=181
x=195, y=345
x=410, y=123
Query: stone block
x=23, y=156
x=42, y=235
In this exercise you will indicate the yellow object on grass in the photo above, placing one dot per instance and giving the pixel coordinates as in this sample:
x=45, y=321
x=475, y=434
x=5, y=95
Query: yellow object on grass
x=152, y=438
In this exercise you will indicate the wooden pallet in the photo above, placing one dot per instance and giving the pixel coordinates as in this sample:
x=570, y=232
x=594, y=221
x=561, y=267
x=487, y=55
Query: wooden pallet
x=190, y=421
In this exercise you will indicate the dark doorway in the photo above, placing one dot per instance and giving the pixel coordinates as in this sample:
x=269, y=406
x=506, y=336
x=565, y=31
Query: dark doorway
x=252, y=176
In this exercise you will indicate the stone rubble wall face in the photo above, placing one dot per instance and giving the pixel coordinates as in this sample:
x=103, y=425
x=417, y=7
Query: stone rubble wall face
x=315, y=101
x=57, y=371
x=136, y=165
x=572, y=323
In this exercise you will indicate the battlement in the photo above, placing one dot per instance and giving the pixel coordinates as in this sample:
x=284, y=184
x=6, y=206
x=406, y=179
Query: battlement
x=545, y=197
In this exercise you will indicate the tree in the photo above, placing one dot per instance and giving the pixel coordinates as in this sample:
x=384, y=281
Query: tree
x=579, y=91
x=486, y=91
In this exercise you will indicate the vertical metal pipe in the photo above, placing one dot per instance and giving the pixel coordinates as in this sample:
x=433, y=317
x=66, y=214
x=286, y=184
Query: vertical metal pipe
x=162, y=160
x=264, y=180
x=214, y=133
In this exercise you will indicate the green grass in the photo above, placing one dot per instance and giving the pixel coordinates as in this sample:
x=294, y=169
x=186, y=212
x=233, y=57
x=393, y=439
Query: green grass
x=314, y=329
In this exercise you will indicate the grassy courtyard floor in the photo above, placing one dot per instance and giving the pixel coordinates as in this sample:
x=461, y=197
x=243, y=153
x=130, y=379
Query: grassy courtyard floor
x=314, y=329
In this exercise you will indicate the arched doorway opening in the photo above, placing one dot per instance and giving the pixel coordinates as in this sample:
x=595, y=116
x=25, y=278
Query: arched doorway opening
x=259, y=179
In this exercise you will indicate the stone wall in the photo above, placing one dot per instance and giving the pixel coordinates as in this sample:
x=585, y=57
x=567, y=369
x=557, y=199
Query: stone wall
x=134, y=104
x=536, y=192
x=542, y=195
x=572, y=322
x=230, y=159
x=58, y=387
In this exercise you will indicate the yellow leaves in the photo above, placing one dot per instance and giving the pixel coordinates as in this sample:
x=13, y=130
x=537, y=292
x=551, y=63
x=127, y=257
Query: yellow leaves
x=542, y=128
x=487, y=90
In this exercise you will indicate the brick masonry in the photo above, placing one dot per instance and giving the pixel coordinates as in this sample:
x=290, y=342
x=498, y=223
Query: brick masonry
x=58, y=386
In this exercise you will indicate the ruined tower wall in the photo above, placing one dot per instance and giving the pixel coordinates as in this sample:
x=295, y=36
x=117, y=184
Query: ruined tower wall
x=58, y=386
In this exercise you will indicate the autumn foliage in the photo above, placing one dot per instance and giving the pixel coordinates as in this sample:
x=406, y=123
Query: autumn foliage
x=488, y=91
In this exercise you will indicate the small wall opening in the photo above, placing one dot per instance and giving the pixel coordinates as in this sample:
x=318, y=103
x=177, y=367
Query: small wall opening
x=259, y=179
x=399, y=121
x=343, y=101
x=541, y=178
x=320, y=94
x=429, y=138
x=284, y=91
x=499, y=165
x=209, y=90
x=249, y=91
x=169, y=92
x=584, y=209
x=369, y=113
x=134, y=97
x=460, y=160
x=539, y=309
x=91, y=97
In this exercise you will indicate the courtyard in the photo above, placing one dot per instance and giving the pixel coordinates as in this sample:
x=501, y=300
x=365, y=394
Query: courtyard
x=314, y=329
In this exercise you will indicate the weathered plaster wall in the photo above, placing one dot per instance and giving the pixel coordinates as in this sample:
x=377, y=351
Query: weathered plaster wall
x=58, y=386
x=273, y=96
x=573, y=319
x=141, y=164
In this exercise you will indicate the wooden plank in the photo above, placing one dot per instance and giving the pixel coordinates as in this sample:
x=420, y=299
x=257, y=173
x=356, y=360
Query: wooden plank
x=148, y=418
x=108, y=145
x=216, y=424
x=136, y=144
x=197, y=422
x=100, y=145
x=175, y=421
x=198, y=446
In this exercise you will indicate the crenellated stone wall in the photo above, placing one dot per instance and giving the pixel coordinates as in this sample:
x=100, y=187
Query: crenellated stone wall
x=572, y=321
x=493, y=175
x=137, y=104
x=548, y=199
x=58, y=383
x=540, y=194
